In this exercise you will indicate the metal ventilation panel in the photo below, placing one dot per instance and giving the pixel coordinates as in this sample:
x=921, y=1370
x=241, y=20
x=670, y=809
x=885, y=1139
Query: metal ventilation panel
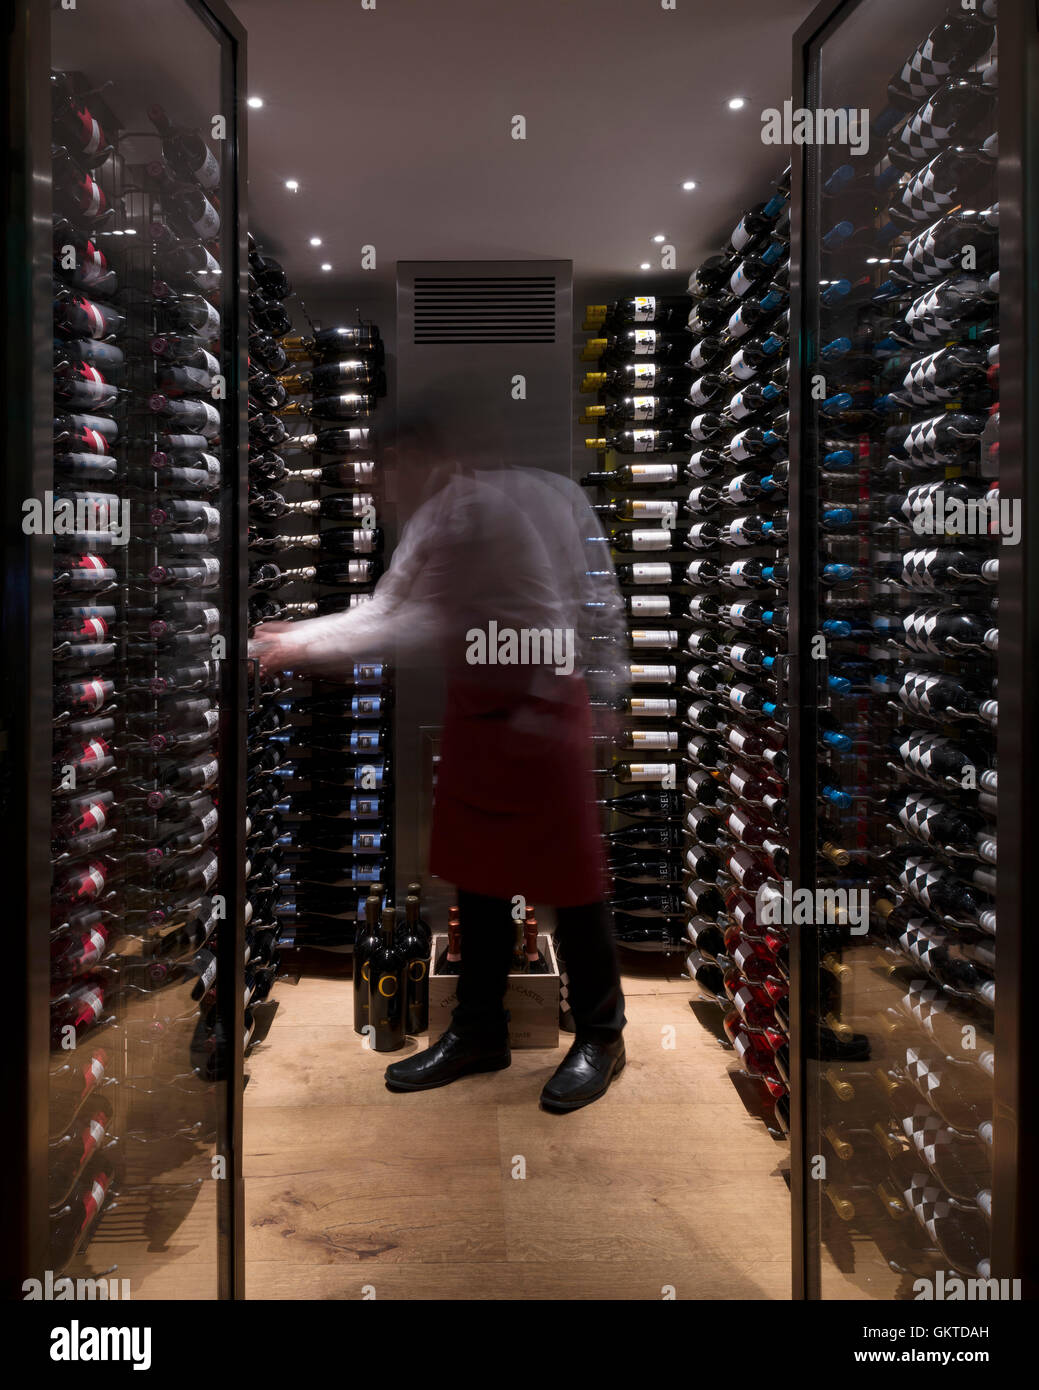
x=485, y=349
x=484, y=309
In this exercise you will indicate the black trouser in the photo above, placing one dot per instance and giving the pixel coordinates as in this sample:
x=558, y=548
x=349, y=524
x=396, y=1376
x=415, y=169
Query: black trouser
x=586, y=944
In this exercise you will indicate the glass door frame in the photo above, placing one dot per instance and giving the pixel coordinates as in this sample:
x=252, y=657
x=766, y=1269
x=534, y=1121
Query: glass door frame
x=27, y=714
x=1015, y=1235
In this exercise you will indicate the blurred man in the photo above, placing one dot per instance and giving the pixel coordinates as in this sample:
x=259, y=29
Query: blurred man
x=495, y=576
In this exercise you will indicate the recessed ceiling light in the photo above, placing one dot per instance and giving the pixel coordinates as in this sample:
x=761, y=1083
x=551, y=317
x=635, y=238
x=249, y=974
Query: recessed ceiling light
x=325, y=266
x=644, y=266
x=872, y=260
x=129, y=231
x=292, y=185
x=255, y=103
x=689, y=185
x=315, y=241
x=737, y=103
x=659, y=236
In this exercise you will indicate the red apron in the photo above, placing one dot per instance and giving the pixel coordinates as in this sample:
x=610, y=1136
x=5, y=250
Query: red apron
x=515, y=805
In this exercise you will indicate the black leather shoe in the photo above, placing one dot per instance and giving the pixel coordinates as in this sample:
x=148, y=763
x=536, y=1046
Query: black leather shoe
x=583, y=1075
x=446, y=1061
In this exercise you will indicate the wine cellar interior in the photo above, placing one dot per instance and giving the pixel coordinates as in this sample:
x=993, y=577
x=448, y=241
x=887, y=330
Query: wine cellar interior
x=319, y=355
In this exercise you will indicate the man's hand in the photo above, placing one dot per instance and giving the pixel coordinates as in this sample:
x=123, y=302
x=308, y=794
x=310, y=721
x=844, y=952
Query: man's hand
x=275, y=646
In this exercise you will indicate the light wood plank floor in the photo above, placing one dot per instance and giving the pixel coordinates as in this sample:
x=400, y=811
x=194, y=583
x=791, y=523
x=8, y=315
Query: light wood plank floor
x=667, y=1187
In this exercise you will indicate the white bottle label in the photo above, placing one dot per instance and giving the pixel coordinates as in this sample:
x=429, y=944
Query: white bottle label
x=653, y=637
x=645, y=308
x=653, y=738
x=697, y=358
x=643, y=407
x=663, y=709
x=651, y=574
x=207, y=225
x=644, y=342
x=656, y=605
x=643, y=441
x=741, y=368
x=651, y=675
x=651, y=772
x=652, y=511
x=740, y=282
x=657, y=538
x=644, y=373
x=699, y=393
x=208, y=172
x=698, y=427
x=644, y=473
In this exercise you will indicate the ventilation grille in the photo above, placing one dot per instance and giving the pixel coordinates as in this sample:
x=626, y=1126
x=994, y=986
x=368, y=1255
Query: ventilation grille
x=485, y=309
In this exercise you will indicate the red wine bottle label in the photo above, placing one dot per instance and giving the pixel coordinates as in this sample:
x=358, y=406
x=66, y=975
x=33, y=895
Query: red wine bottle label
x=90, y=133
x=645, y=308
x=93, y=943
x=643, y=407
x=92, y=1136
x=93, y=1200
x=644, y=373
x=93, y=1072
x=209, y=821
x=644, y=342
x=643, y=441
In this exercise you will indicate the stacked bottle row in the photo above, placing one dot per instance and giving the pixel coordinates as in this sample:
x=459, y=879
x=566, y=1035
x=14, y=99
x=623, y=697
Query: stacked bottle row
x=265, y=837
x=338, y=830
x=903, y=429
x=641, y=349
x=138, y=618
x=735, y=767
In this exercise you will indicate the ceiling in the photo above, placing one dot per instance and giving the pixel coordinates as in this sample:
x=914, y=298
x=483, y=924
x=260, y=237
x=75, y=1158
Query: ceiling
x=395, y=121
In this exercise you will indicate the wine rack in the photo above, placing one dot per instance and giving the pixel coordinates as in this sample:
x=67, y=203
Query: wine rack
x=735, y=748
x=266, y=769
x=340, y=734
x=901, y=447
x=142, y=440
x=639, y=348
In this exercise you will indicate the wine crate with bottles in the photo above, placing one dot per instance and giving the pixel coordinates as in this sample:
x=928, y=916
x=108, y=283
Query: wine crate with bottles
x=339, y=841
x=639, y=349
x=903, y=445
x=138, y=617
x=734, y=768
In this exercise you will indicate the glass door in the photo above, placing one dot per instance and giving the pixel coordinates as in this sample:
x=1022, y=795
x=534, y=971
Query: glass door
x=134, y=522
x=902, y=531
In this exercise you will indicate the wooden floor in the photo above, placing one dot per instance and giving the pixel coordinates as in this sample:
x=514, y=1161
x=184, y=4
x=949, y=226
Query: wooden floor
x=667, y=1187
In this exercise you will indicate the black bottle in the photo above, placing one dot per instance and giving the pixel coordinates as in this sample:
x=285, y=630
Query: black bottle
x=415, y=944
x=365, y=946
x=387, y=990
